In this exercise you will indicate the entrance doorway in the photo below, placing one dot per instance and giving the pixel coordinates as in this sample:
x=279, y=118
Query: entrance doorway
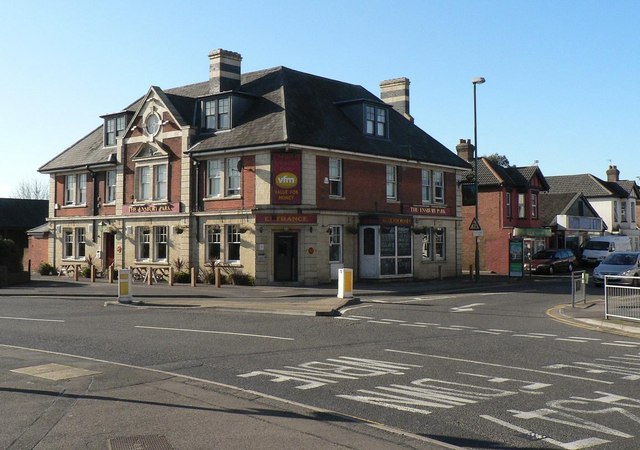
x=109, y=244
x=286, y=257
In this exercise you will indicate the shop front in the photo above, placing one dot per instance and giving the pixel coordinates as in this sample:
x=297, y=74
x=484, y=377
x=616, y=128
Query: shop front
x=385, y=247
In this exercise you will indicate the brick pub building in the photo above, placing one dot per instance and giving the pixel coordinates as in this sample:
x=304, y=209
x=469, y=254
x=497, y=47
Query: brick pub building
x=283, y=175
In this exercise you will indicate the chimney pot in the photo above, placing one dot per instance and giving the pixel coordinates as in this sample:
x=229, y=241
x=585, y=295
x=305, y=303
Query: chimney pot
x=465, y=150
x=613, y=174
x=224, y=71
x=395, y=92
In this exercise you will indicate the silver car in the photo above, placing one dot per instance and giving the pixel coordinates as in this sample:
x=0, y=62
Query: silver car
x=623, y=264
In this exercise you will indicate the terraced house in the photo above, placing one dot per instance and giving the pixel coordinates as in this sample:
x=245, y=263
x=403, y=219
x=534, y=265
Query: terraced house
x=283, y=175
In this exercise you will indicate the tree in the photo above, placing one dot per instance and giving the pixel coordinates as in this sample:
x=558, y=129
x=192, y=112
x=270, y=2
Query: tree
x=500, y=160
x=31, y=190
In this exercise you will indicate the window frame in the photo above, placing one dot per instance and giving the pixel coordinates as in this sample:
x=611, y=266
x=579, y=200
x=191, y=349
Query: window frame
x=113, y=128
x=223, y=179
x=216, y=113
x=426, y=186
x=143, y=243
x=623, y=211
x=75, y=189
x=233, y=239
x=335, y=242
x=74, y=243
x=155, y=185
x=376, y=121
x=160, y=243
x=335, y=177
x=434, y=244
x=391, y=172
x=534, y=205
x=110, y=186
x=507, y=205
x=522, y=206
x=214, y=238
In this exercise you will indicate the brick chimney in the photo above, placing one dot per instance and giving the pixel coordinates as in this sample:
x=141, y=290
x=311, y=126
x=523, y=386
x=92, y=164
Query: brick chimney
x=465, y=149
x=224, y=71
x=613, y=174
x=396, y=93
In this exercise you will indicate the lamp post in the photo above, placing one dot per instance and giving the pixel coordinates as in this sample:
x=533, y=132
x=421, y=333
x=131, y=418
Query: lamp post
x=475, y=82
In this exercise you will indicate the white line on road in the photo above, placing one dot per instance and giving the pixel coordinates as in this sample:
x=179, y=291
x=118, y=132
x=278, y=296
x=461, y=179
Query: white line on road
x=428, y=323
x=466, y=308
x=394, y=320
x=499, y=330
x=379, y=321
x=30, y=319
x=487, y=332
x=544, y=334
x=215, y=332
x=413, y=325
x=315, y=409
x=627, y=342
x=584, y=338
x=570, y=340
x=528, y=336
x=469, y=361
x=619, y=345
x=346, y=318
x=461, y=326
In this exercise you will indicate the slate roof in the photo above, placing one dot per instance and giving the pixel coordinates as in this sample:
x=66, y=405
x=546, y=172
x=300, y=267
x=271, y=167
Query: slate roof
x=289, y=107
x=491, y=174
x=17, y=214
x=587, y=184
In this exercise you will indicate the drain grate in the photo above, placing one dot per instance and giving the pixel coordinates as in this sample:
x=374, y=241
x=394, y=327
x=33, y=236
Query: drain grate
x=148, y=442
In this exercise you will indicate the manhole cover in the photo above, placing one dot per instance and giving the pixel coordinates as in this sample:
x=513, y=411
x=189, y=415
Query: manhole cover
x=148, y=442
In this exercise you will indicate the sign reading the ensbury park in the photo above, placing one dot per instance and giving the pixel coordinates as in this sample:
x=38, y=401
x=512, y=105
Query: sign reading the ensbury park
x=286, y=180
x=151, y=208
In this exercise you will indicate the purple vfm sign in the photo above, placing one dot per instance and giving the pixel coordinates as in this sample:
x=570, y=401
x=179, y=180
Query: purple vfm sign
x=152, y=208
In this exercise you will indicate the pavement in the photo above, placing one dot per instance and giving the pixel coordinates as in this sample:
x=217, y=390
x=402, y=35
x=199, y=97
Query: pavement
x=64, y=401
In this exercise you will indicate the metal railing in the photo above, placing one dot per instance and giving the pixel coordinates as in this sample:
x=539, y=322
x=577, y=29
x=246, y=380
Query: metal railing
x=622, y=297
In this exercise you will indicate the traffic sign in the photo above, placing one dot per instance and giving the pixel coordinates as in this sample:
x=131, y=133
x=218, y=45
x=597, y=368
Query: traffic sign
x=475, y=226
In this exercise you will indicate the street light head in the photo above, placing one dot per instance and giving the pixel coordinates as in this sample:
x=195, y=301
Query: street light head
x=478, y=80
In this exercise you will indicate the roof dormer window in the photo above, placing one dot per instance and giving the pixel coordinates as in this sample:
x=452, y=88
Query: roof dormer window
x=216, y=114
x=113, y=127
x=375, y=121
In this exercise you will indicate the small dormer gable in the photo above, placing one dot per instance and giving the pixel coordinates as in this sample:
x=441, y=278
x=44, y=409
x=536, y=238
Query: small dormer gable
x=115, y=126
x=369, y=116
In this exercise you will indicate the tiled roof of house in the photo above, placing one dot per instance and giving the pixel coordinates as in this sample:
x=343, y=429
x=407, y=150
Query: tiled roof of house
x=17, y=214
x=492, y=174
x=288, y=107
x=552, y=205
x=587, y=184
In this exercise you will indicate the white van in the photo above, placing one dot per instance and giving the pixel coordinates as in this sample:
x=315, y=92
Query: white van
x=598, y=248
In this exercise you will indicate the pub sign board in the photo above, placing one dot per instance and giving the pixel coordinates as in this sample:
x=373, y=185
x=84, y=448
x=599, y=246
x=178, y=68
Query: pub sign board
x=286, y=182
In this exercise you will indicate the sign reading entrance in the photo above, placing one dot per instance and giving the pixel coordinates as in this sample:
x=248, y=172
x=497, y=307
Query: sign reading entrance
x=287, y=219
x=286, y=180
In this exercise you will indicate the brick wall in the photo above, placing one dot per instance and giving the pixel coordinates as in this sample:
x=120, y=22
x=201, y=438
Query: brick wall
x=37, y=252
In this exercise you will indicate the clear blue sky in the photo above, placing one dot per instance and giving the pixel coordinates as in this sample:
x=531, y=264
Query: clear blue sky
x=562, y=76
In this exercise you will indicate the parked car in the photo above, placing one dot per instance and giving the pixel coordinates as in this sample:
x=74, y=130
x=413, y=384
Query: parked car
x=552, y=260
x=623, y=264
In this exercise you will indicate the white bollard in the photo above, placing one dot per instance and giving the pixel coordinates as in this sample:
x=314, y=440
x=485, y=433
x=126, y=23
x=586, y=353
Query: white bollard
x=345, y=283
x=124, y=286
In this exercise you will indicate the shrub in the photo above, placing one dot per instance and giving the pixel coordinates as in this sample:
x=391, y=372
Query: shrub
x=85, y=272
x=180, y=264
x=243, y=279
x=10, y=256
x=47, y=269
x=181, y=277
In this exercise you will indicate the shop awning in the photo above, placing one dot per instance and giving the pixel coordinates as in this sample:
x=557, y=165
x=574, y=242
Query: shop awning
x=532, y=232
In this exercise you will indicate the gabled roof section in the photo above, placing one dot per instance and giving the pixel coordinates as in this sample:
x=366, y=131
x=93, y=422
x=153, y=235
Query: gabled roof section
x=587, y=184
x=19, y=214
x=493, y=174
x=552, y=205
x=298, y=108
